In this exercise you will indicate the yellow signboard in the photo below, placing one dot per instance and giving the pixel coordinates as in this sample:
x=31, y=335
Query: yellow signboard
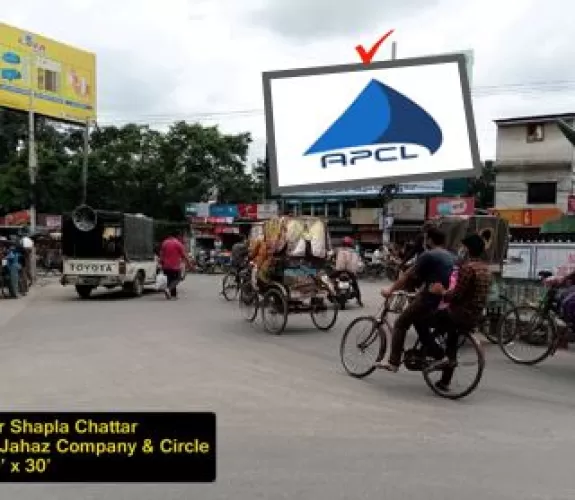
x=51, y=78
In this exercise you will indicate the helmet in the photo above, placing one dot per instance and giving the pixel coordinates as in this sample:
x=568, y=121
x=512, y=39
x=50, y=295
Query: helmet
x=347, y=242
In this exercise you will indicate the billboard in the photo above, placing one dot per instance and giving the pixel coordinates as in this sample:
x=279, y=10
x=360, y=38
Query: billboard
x=62, y=79
x=356, y=125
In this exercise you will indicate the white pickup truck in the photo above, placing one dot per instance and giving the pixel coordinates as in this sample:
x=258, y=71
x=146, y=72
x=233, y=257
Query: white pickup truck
x=117, y=252
x=88, y=274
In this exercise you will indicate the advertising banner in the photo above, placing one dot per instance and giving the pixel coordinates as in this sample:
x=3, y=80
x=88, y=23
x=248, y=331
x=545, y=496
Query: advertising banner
x=56, y=80
x=267, y=211
x=450, y=206
x=248, y=211
x=349, y=126
x=223, y=211
x=407, y=209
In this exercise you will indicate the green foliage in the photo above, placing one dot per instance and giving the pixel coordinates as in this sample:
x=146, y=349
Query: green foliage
x=131, y=168
x=483, y=187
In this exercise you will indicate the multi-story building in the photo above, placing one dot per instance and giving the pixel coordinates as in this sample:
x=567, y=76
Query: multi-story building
x=534, y=170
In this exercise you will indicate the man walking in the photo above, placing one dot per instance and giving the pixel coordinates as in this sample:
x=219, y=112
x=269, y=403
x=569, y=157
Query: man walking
x=172, y=256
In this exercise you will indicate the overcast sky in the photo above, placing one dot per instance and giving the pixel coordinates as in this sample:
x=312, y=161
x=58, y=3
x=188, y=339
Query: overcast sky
x=174, y=59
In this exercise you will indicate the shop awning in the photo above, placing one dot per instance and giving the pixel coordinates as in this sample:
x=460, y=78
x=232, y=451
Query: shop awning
x=565, y=224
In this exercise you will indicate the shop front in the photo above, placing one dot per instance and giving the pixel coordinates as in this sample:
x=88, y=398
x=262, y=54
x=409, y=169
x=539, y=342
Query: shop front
x=408, y=216
x=366, y=220
x=339, y=229
x=219, y=226
x=525, y=223
x=369, y=237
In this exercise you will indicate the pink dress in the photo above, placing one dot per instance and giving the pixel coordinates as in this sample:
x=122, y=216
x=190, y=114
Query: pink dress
x=452, y=283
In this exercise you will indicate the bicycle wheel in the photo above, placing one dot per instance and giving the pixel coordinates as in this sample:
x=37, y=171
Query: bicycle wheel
x=324, y=313
x=274, y=311
x=465, y=374
x=249, y=302
x=526, y=336
x=489, y=326
x=366, y=335
x=230, y=287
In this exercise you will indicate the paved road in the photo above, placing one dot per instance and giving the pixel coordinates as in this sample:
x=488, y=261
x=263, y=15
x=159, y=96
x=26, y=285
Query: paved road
x=291, y=423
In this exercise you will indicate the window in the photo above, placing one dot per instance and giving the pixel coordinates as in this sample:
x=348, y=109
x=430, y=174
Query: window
x=333, y=210
x=535, y=132
x=48, y=80
x=305, y=208
x=319, y=209
x=542, y=193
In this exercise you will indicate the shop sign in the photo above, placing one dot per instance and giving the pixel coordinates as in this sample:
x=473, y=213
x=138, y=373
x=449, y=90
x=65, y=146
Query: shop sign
x=197, y=209
x=248, y=211
x=223, y=211
x=267, y=211
x=451, y=206
x=407, y=209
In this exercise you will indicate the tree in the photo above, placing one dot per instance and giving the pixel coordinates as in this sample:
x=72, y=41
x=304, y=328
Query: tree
x=131, y=168
x=483, y=187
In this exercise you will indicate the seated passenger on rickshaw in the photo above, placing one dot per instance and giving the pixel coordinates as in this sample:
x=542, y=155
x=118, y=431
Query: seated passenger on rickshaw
x=274, y=260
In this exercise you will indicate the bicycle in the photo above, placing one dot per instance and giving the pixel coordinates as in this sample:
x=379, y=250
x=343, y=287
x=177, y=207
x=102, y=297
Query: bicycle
x=491, y=316
x=541, y=329
x=414, y=359
x=231, y=282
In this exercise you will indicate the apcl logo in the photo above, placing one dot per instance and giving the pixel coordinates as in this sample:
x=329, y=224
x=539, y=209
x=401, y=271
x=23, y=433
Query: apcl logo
x=384, y=125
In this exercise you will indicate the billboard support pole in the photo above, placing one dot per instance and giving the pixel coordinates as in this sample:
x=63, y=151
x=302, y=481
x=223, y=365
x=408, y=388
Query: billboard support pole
x=85, y=162
x=387, y=192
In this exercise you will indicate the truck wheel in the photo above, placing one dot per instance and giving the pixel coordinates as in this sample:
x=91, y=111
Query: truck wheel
x=84, y=291
x=137, y=286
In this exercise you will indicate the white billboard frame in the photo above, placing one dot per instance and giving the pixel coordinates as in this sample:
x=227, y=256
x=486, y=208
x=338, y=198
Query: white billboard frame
x=472, y=168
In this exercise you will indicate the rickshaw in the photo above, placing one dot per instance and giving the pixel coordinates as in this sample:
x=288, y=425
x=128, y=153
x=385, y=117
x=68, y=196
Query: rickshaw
x=296, y=282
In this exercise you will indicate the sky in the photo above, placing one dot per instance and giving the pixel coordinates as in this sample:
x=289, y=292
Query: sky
x=202, y=60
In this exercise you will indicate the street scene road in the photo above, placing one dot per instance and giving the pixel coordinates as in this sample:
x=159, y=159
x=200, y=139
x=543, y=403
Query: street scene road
x=291, y=423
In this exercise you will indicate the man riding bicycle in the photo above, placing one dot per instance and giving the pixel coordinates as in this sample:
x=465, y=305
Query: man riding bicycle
x=240, y=255
x=433, y=266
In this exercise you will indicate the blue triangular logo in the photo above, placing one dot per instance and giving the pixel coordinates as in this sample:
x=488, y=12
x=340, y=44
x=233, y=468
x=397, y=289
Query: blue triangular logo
x=380, y=115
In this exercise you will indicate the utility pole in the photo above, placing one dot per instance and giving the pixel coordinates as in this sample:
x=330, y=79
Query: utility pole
x=85, y=162
x=32, y=158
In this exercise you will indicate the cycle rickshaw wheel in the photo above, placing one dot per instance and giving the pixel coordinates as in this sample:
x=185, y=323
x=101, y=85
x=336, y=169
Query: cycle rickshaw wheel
x=249, y=302
x=469, y=360
x=324, y=313
x=274, y=311
x=364, y=335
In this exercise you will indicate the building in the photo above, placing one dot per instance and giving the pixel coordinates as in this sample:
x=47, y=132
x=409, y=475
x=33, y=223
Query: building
x=355, y=212
x=534, y=170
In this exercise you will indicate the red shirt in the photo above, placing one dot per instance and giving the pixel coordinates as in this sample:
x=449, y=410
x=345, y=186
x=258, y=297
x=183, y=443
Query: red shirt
x=171, y=254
